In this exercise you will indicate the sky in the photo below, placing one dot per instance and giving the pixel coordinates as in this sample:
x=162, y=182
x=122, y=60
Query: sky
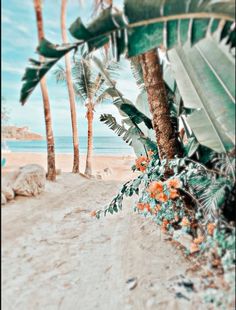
x=19, y=42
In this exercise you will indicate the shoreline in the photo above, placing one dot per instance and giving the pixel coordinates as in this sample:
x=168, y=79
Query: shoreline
x=71, y=154
x=104, y=166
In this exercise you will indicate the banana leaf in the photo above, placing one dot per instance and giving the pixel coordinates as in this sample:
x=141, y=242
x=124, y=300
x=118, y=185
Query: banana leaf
x=205, y=78
x=150, y=24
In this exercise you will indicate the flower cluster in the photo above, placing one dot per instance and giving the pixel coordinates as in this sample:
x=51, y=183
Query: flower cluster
x=164, y=191
x=163, y=202
x=142, y=162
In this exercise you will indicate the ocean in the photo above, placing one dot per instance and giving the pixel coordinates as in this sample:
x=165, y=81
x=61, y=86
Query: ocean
x=101, y=145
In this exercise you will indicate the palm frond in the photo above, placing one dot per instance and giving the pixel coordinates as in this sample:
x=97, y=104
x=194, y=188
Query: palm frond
x=224, y=164
x=137, y=72
x=60, y=74
x=213, y=197
x=120, y=130
x=83, y=78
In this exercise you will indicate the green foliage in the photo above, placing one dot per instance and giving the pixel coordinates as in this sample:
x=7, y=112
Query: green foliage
x=88, y=82
x=38, y=69
x=111, y=122
x=148, y=26
x=204, y=84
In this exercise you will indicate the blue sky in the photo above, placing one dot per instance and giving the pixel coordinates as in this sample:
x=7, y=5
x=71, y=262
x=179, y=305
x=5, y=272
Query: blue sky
x=19, y=41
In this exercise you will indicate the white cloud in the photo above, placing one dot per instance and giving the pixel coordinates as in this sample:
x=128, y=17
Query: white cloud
x=23, y=29
x=12, y=68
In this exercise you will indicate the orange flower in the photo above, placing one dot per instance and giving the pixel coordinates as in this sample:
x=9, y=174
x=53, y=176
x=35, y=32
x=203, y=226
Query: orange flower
x=93, y=213
x=155, y=187
x=185, y=222
x=148, y=207
x=198, y=240
x=142, y=168
x=161, y=197
x=140, y=206
x=141, y=163
x=173, y=194
x=165, y=222
x=210, y=228
x=194, y=248
x=173, y=183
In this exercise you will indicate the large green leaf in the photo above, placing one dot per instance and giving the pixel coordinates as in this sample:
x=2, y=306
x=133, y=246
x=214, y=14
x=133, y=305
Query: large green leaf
x=172, y=22
x=150, y=23
x=205, y=78
x=38, y=69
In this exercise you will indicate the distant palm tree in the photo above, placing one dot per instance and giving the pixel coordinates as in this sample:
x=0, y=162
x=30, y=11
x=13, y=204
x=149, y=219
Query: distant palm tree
x=51, y=170
x=90, y=88
x=70, y=91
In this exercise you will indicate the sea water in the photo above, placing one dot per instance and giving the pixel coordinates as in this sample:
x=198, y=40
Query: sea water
x=101, y=145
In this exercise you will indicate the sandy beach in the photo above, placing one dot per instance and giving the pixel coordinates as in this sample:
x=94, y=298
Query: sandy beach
x=56, y=256
x=116, y=167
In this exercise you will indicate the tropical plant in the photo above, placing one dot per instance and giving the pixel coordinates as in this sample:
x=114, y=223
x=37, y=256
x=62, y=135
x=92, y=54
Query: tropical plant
x=148, y=26
x=51, y=171
x=207, y=91
x=71, y=94
x=157, y=99
x=89, y=87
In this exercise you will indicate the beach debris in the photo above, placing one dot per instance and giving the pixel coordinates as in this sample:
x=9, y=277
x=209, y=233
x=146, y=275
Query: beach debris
x=132, y=283
x=188, y=284
x=180, y=295
x=30, y=180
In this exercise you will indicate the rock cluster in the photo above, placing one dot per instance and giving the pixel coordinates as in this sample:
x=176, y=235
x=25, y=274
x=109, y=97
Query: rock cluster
x=28, y=181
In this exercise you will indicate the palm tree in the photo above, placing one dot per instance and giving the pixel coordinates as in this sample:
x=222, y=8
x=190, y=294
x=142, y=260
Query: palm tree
x=89, y=88
x=158, y=104
x=70, y=91
x=157, y=98
x=51, y=170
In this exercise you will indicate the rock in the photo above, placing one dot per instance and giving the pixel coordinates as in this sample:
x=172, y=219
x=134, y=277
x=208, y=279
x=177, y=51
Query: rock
x=132, y=283
x=8, y=192
x=3, y=199
x=7, y=183
x=99, y=176
x=107, y=171
x=183, y=238
x=30, y=181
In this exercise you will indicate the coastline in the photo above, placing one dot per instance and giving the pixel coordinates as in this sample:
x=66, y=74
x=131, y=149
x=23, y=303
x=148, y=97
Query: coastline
x=107, y=166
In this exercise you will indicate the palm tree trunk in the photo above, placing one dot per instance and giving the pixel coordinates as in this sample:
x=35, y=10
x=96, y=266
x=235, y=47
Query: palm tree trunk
x=51, y=173
x=88, y=169
x=157, y=99
x=70, y=91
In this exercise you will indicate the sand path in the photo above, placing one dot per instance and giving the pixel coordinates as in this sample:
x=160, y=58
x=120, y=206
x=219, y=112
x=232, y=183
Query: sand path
x=55, y=256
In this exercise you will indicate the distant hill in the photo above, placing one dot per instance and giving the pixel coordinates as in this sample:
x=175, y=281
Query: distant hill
x=19, y=133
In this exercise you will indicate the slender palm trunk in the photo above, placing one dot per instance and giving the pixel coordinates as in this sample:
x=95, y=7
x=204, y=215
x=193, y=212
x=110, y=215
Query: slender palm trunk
x=51, y=173
x=88, y=169
x=157, y=99
x=70, y=91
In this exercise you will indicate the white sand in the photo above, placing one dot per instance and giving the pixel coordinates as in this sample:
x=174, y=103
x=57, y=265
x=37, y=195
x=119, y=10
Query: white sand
x=55, y=256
